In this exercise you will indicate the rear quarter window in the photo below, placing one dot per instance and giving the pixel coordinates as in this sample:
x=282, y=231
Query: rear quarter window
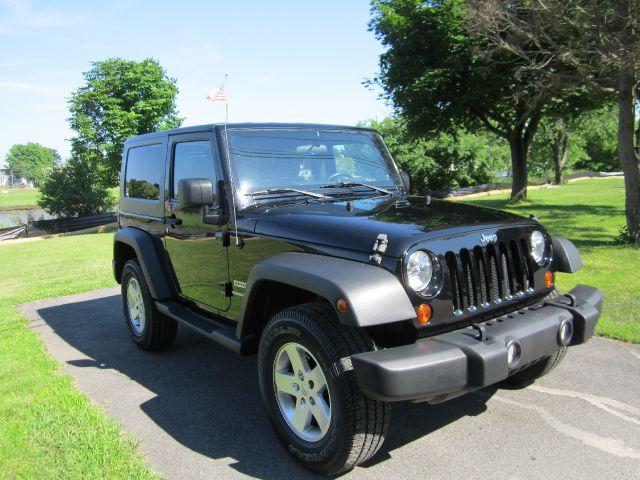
x=143, y=173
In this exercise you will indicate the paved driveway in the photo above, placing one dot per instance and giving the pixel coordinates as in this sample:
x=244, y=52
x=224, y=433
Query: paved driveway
x=197, y=412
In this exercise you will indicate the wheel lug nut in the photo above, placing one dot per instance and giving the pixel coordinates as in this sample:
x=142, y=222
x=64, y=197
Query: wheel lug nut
x=312, y=401
x=295, y=387
x=300, y=375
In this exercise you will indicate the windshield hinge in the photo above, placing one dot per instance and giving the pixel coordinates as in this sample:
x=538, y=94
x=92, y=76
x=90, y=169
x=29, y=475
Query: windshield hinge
x=379, y=248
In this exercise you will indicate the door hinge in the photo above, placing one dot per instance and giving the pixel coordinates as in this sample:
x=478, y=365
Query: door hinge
x=226, y=288
x=225, y=237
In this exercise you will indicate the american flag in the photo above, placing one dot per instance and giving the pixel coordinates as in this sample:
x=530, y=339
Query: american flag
x=218, y=94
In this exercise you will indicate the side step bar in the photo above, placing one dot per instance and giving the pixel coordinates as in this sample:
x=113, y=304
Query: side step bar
x=220, y=333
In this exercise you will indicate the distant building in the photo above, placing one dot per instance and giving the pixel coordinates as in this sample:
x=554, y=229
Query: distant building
x=8, y=180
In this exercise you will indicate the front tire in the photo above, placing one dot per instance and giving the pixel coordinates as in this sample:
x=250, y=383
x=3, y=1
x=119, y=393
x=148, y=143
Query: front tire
x=310, y=393
x=149, y=329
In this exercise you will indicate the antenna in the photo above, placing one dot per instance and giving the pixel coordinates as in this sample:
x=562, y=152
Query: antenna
x=226, y=144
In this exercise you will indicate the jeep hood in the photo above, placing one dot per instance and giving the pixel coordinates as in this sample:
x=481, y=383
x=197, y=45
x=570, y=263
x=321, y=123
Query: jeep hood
x=354, y=225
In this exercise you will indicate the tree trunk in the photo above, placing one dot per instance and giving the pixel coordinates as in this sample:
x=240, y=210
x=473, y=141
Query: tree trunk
x=560, y=149
x=519, y=169
x=519, y=142
x=626, y=152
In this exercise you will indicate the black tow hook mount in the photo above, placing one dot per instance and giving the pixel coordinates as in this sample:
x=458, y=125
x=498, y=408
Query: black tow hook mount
x=569, y=303
x=482, y=332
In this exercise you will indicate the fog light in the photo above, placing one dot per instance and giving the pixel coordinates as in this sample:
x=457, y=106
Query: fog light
x=565, y=333
x=514, y=352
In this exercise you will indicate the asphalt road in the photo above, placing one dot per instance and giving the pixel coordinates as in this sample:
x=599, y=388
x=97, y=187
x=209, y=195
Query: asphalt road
x=197, y=412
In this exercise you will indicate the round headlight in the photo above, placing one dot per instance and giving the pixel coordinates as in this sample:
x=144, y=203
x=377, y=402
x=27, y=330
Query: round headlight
x=419, y=270
x=538, y=246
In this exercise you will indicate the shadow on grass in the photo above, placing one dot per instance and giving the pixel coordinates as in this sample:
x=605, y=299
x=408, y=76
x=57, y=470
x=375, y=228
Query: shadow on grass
x=207, y=398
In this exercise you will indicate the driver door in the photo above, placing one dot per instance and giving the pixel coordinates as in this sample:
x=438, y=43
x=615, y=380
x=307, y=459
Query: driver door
x=196, y=250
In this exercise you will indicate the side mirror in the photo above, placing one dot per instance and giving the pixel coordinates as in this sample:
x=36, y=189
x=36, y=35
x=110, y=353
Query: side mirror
x=406, y=180
x=199, y=192
x=195, y=192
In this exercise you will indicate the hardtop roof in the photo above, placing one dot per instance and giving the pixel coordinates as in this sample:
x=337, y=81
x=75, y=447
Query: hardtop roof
x=218, y=126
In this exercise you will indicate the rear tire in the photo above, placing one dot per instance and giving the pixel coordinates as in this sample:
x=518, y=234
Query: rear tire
x=540, y=369
x=149, y=329
x=310, y=392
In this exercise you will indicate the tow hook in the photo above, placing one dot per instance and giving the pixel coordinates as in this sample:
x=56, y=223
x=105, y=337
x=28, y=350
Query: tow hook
x=482, y=332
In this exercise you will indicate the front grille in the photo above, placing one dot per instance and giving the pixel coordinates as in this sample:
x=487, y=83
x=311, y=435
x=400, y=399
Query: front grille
x=491, y=274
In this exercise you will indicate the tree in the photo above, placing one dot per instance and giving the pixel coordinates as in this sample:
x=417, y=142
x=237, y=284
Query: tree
x=435, y=74
x=559, y=144
x=443, y=160
x=598, y=131
x=120, y=99
x=73, y=190
x=591, y=44
x=31, y=161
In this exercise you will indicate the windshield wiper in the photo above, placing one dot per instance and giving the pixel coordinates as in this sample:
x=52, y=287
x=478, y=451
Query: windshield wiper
x=356, y=184
x=270, y=191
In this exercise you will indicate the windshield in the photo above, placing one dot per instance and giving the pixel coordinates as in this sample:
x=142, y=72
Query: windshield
x=307, y=159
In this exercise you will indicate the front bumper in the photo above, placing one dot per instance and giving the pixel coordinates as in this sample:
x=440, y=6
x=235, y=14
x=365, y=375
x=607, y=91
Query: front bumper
x=447, y=365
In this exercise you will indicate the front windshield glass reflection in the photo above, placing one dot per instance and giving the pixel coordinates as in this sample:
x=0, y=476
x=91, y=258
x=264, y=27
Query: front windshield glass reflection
x=307, y=159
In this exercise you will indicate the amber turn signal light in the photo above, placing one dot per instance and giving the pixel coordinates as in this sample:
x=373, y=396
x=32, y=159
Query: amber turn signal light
x=341, y=305
x=424, y=313
x=548, y=279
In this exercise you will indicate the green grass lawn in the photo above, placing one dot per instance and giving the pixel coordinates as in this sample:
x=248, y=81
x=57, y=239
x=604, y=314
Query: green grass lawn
x=18, y=199
x=590, y=213
x=47, y=428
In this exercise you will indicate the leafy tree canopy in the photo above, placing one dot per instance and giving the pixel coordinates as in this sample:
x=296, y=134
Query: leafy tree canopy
x=594, y=45
x=443, y=160
x=31, y=161
x=437, y=75
x=120, y=99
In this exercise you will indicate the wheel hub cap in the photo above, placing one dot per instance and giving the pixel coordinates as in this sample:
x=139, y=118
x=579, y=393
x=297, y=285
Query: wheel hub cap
x=301, y=392
x=135, y=305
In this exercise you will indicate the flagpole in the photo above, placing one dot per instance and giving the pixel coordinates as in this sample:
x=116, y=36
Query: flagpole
x=226, y=98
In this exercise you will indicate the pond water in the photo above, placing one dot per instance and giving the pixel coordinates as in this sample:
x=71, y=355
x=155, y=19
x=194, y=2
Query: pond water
x=9, y=218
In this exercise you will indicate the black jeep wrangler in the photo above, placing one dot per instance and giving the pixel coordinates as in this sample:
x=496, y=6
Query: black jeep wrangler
x=300, y=243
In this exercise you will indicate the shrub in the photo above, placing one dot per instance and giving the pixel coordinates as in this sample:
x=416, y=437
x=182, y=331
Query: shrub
x=74, y=190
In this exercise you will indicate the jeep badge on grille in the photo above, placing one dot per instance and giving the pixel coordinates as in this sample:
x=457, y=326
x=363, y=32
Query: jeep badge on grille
x=484, y=239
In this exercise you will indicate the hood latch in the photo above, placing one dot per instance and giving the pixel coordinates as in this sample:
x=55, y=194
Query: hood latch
x=379, y=248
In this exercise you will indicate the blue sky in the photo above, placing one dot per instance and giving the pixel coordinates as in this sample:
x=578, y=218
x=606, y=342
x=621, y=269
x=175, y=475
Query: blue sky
x=287, y=60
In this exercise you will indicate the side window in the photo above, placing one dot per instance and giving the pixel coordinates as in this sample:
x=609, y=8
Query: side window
x=143, y=172
x=192, y=160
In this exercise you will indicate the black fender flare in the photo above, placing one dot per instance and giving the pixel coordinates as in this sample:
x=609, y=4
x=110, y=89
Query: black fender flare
x=374, y=295
x=566, y=257
x=149, y=256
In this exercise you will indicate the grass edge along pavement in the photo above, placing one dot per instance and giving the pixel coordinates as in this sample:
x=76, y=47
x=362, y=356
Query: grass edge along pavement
x=589, y=212
x=48, y=429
